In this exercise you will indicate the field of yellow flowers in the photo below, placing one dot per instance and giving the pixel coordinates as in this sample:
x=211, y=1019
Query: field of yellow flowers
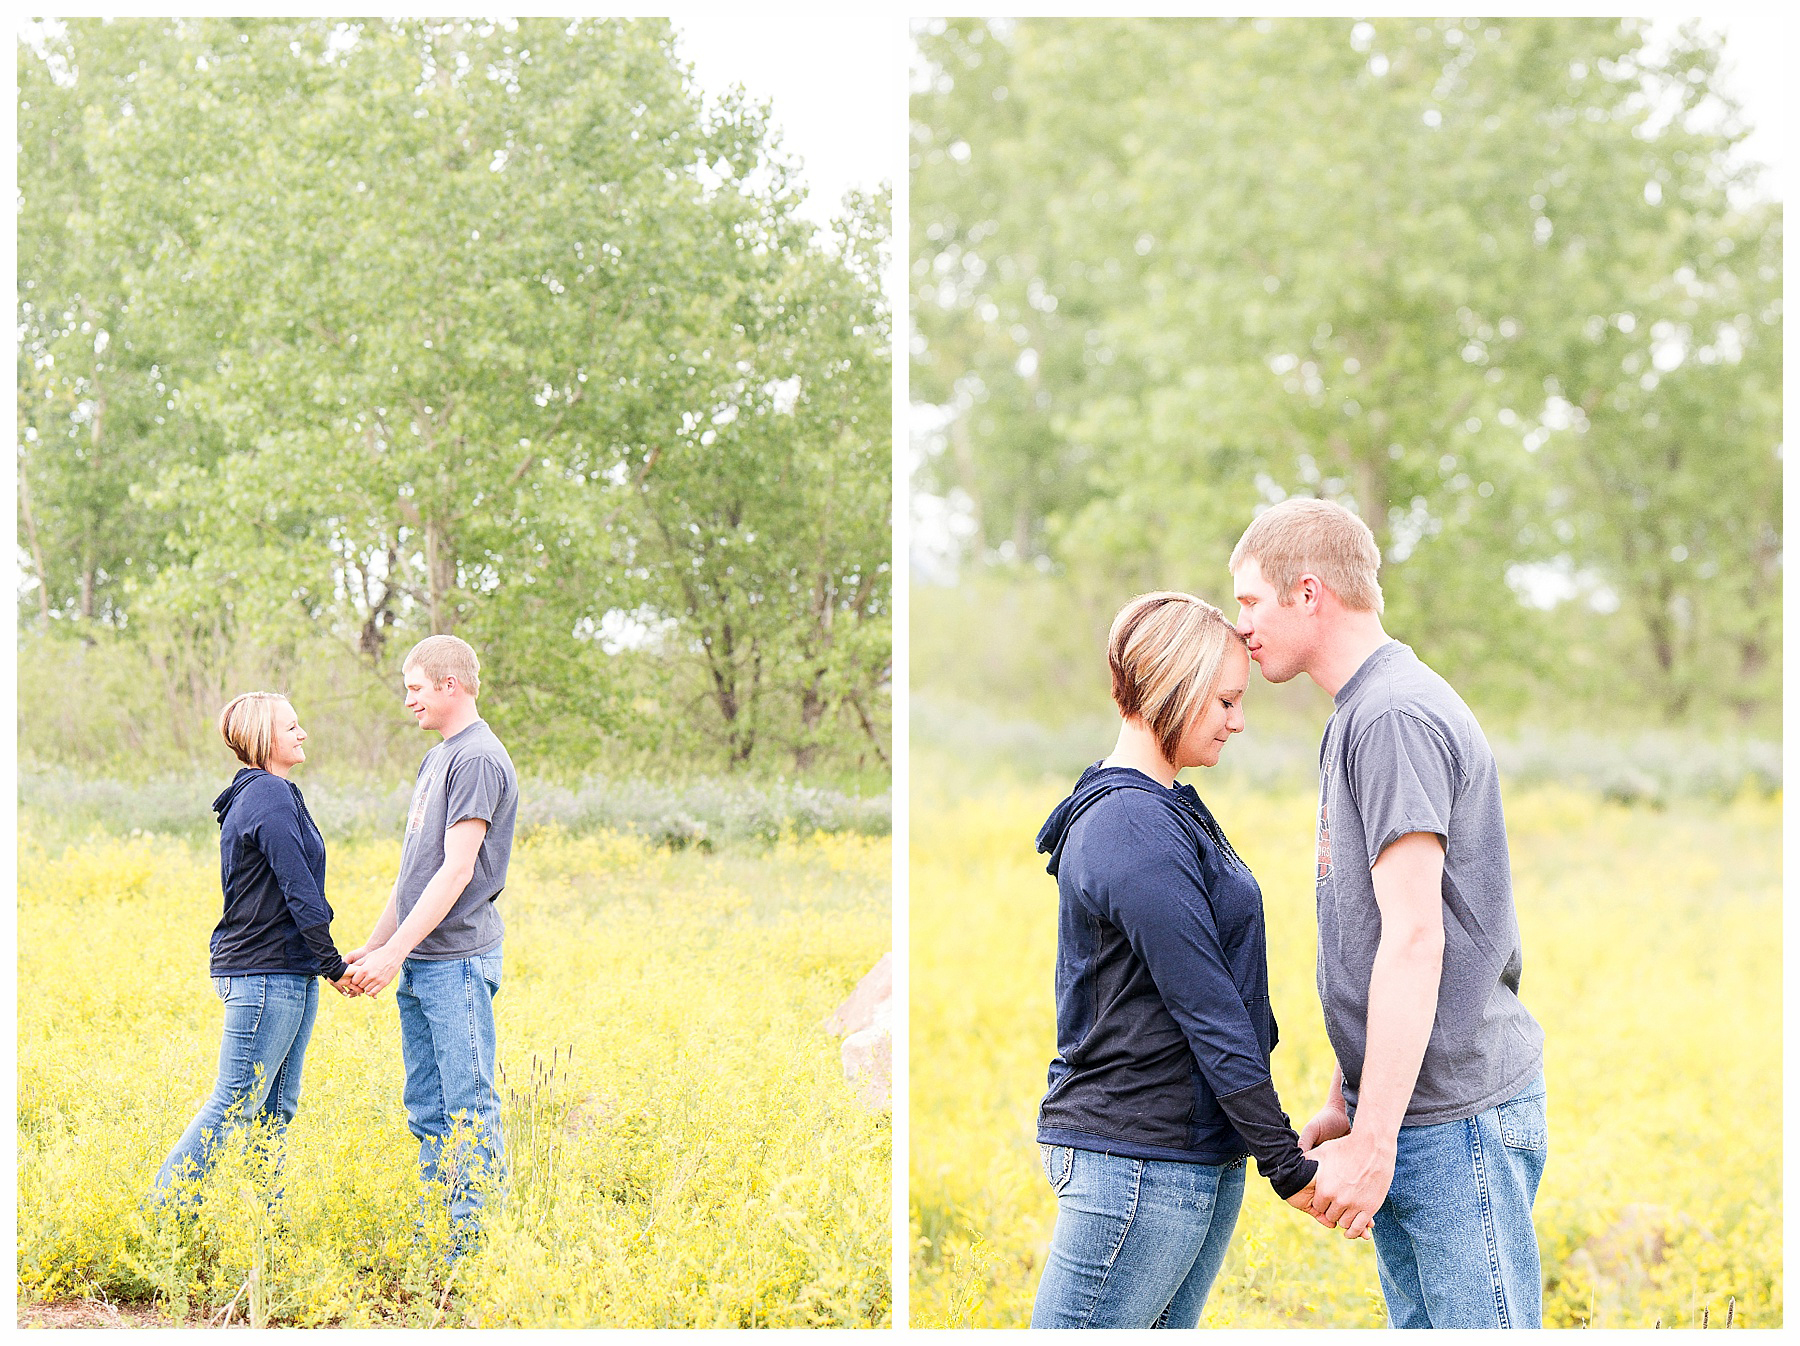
x=684, y=1150
x=1652, y=958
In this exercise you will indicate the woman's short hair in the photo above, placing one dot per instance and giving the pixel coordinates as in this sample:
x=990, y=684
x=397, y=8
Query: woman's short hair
x=1317, y=537
x=440, y=657
x=247, y=725
x=1165, y=651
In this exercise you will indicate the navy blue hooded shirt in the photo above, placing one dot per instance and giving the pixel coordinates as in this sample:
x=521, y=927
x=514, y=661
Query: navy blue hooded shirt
x=1163, y=1023
x=272, y=871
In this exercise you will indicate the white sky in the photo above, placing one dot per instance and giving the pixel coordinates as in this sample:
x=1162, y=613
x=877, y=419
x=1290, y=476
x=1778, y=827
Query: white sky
x=836, y=85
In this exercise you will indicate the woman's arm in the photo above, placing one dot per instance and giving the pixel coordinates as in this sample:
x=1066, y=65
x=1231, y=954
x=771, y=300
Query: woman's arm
x=1157, y=899
x=277, y=836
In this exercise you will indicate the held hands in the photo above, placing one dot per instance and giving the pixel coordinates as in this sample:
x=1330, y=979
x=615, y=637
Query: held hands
x=344, y=986
x=372, y=969
x=1352, y=1182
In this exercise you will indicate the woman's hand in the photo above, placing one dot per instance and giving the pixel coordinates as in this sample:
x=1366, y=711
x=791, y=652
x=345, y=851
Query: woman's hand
x=1302, y=1200
x=346, y=987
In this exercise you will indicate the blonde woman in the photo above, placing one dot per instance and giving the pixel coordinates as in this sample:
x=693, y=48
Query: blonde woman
x=1160, y=1087
x=273, y=940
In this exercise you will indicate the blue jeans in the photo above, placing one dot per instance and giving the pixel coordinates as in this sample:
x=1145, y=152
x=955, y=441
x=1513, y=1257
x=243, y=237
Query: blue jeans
x=1454, y=1242
x=1137, y=1242
x=268, y=1021
x=447, y=1043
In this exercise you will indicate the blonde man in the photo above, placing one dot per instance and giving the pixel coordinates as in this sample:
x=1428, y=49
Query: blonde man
x=441, y=932
x=1434, y=1133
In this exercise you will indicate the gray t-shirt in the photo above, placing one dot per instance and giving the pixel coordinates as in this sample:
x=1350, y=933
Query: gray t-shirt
x=468, y=775
x=1402, y=753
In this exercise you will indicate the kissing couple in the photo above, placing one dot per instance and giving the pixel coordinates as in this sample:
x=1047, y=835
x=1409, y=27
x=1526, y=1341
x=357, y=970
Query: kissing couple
x=1433, y=1136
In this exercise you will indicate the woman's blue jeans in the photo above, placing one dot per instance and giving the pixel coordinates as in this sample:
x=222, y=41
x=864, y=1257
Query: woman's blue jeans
x=1137, y=1242
x=268, y=1020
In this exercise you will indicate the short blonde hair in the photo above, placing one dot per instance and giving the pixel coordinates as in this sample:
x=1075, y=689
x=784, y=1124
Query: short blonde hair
x=247, y=725
x=1314, y=537
x=440, y=657
x=1165, y=651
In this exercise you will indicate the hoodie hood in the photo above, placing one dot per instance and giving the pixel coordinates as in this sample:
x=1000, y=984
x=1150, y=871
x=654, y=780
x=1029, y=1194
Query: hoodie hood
x=1095, y=784
x=228, y=797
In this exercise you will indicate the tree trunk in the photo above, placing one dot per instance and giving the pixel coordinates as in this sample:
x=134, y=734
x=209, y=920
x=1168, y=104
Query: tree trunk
x=37, y=551
x=440, y=578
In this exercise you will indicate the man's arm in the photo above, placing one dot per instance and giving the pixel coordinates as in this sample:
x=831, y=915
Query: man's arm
x=1330, y=1121
x=381, y=964
x=1355, y=1171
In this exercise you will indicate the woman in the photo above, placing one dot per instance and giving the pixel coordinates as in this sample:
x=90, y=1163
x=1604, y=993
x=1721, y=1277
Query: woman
x=273, y=940
x=1161, y=1084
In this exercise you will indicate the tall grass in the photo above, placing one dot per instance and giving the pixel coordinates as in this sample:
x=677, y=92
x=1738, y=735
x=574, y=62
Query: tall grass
x=1652, y=959
x=701, y=811
x=684, y=1151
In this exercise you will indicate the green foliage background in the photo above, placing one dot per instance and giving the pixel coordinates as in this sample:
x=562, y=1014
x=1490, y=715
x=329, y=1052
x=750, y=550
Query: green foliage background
x=1499, y=285
x=338, y=334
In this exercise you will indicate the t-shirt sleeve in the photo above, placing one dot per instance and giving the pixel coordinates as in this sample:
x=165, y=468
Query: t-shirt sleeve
x=473, y=789
x=1404, y=776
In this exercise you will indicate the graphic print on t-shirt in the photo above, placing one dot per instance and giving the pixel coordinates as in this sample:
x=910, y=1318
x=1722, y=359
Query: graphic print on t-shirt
x=415, y=816
x=1325, y=826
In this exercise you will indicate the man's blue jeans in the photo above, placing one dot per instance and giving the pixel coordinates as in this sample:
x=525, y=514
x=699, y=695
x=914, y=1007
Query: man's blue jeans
x=1454, y=1242
x=1137, y=1242
x=447, y=1043
x=268, y=1021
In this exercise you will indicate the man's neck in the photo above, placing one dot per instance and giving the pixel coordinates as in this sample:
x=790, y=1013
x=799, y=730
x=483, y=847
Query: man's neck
x=460, y=721
x=1357, y=637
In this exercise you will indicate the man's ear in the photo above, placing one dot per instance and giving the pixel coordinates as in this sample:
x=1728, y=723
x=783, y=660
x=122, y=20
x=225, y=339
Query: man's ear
x=1311, y=591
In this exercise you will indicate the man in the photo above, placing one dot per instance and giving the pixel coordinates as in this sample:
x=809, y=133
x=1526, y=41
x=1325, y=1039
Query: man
x=441, y=931
x=1435, y=1128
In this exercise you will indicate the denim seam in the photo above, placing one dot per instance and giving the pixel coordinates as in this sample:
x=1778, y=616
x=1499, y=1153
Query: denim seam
x=470, y=972
x=1487, y=1221
x=1112, y=1258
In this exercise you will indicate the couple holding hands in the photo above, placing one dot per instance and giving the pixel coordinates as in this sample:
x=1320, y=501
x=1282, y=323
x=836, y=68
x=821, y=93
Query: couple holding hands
x=437, y=941
x=1434, y=1135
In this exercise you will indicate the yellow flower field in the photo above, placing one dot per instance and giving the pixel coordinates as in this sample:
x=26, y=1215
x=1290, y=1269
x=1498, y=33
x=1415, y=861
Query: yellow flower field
x=684, y=1150
x=1652, y=958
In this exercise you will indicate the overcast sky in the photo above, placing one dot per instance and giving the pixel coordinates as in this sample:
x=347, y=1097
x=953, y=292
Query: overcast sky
x=836, y=85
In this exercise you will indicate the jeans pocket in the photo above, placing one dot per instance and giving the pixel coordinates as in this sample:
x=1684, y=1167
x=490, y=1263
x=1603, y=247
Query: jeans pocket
x=1059, y=1165
x=222, y=987
x=489, y=963
x=1525, y=1123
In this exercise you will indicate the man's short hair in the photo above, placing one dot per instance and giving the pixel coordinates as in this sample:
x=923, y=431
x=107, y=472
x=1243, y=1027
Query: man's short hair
x=247, y=724
x=440, y=657
x=1314, y=537
x=1165, y=652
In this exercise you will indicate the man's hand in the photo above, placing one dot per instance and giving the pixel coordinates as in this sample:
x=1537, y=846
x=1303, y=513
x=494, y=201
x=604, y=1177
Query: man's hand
x=345, y=985
x=1352, y=1182
x=375, y=969
x=1328, y=1123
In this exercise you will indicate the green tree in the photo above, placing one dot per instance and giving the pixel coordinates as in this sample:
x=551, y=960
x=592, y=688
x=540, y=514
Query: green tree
x=470, y=295
x=1168, y=270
